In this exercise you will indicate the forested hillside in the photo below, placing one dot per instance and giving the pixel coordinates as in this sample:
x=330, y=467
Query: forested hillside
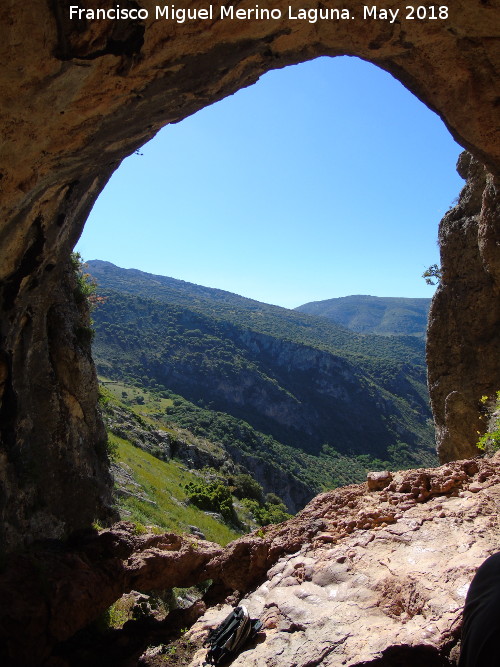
x=267, y=319
x=372, y=314
x=266, y=382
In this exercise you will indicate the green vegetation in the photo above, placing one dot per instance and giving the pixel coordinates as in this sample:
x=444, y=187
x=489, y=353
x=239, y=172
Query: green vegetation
x=226, y=308
x=328, y=469
x=219, y=434
x=235, y=356
x=115, y=616
x=293, y=401
x=139, y=400
x=164, y=501
x=217, y=494
x=386, y=316
x=85, y=291
x=214, y=497
x=490, y=441
x=433, y=275
x=245, y=486
x=271, y=511
x=86, y=286
x=162, y=495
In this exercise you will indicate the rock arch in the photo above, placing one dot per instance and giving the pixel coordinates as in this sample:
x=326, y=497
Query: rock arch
x=79, y=95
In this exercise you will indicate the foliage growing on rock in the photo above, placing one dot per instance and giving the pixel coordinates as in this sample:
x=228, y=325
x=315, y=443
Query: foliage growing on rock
x=86, y=285
x=433, y=275
x=490, y=441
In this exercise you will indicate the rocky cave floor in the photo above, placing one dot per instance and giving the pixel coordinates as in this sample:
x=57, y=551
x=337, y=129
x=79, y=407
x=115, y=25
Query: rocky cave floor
x=369, y=574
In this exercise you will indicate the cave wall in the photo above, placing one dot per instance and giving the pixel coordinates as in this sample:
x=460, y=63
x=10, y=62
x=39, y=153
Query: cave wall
x=77, y=97
x=463, y=346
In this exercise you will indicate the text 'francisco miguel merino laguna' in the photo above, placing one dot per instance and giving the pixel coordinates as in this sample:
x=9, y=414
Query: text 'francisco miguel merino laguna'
x=183, y=14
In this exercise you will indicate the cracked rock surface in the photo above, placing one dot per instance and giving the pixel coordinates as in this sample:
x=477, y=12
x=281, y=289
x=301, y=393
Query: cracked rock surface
x=358, y=575
x=388, y=594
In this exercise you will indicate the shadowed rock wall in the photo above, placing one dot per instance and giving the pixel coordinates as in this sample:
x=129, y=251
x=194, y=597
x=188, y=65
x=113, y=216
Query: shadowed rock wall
x=77, y=97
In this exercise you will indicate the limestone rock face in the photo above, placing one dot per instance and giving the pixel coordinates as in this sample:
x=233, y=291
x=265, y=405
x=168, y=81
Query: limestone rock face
x=77, y=96
x=463, y=344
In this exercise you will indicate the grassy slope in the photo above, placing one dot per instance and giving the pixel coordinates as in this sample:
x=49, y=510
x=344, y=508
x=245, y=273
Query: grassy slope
x=163, y=483
x=160, y=499
x=217, y=432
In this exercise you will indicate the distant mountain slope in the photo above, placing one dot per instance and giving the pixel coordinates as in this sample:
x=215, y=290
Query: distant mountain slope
x=260, y=317
x=308, y=384
x=373, y=314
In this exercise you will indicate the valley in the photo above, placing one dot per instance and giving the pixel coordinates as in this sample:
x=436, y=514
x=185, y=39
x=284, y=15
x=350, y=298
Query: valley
x=296, y=401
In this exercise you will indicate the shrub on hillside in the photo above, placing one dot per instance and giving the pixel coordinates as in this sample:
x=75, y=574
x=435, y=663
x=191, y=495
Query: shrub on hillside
x=246, y=486
x=269, y=512
x=212, y=497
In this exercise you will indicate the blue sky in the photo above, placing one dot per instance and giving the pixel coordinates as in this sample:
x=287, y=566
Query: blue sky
x=322, y=180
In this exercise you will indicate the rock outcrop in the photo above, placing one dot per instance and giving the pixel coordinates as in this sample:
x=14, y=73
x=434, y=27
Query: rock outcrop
x=360, y=576
x=77, y=97
x=383, y=583
x=52, y=591
x=463, y=344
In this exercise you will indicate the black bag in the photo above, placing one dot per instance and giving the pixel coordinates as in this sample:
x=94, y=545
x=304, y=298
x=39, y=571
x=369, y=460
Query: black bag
x=228, y=638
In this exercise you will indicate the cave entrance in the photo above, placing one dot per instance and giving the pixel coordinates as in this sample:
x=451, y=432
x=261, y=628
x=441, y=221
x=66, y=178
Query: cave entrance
x=282, y=195
x=322, y=180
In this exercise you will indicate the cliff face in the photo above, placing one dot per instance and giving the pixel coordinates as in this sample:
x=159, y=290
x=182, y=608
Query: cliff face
x=78, y=96
x=330, y=400
x=463, y=346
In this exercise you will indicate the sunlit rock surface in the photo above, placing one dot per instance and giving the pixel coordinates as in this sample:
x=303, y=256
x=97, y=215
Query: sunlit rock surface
x=389, y=594
x=358, y=577
x=463, y=344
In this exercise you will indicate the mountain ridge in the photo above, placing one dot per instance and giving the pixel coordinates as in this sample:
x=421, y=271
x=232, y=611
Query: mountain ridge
x=301, y=327
x=364, y=313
